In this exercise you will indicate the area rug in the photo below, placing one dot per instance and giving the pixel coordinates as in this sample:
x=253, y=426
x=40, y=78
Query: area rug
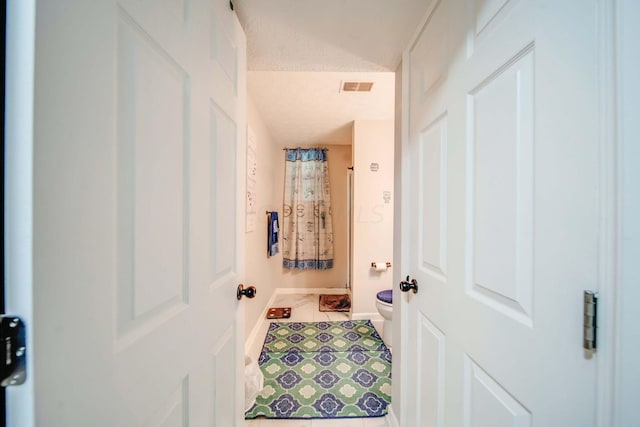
x=323, y=370
x=340, y=302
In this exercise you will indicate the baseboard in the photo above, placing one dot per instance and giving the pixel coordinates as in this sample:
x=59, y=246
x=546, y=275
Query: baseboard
x=391, y=418
x=367, y=316
x=329, y=291
x=248, y=342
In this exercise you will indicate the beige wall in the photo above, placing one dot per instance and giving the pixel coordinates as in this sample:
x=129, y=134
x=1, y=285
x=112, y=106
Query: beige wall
x=265, y=273
x=339, y=158
x=260, y=269
x=373, y=142
x=373, y=218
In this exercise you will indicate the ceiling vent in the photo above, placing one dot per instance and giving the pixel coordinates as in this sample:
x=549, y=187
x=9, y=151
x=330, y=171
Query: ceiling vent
x=357, y=86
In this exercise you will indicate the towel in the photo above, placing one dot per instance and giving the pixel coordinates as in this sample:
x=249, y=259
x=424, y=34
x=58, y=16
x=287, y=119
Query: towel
x=274, y=229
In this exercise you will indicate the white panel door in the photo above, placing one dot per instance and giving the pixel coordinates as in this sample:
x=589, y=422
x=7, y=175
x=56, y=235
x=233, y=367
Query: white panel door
x=503, y=214
x=139, y=129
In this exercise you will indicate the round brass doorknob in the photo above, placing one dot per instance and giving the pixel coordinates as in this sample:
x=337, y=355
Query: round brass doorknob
x=249, y=292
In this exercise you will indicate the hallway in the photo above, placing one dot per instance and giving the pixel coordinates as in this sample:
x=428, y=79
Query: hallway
x=514, y=197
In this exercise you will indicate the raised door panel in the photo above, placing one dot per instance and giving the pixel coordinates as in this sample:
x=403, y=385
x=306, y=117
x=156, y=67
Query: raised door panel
x=174, y=410
x=429, y=53
x=153, y=147
x=429, y=58
x=484, y=12
x=500, y=189
x=433, y=199
x=223, y=358
x=223, y=46
x=487, y=403
x=224, y=193
x=430, y=374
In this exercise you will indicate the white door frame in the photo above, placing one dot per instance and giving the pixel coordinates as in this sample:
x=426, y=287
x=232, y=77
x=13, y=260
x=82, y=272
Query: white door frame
x=20, y=67
x=624, y=99
x=608, y=329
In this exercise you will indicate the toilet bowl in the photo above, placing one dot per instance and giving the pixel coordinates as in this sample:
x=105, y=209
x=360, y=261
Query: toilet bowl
x=384, y=304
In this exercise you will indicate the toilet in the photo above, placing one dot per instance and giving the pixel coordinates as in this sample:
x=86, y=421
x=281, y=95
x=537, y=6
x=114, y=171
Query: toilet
x=384, y=304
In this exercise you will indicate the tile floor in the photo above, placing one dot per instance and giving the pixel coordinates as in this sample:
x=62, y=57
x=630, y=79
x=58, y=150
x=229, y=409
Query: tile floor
x=304, y=308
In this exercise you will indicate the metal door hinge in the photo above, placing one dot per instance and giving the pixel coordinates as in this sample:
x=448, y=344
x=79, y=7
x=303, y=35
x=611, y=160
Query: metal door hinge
x=13, y=351
x=589, y=333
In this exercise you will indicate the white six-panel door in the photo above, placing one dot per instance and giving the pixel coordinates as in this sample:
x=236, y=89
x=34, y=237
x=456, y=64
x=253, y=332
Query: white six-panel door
x=502, y=193
x=139, y=128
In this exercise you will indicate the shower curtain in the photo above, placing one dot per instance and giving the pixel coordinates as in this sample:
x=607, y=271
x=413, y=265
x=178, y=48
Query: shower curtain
x=307, y=233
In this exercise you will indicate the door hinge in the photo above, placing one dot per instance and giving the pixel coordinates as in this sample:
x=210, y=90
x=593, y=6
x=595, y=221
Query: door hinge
x=589, y=333
x=13, y=351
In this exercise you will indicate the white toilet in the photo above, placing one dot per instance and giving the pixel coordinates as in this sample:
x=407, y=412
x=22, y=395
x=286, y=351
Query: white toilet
x=384, y=304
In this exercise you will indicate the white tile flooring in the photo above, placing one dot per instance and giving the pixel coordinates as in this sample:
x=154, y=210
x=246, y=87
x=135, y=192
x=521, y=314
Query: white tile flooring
x=304, y=308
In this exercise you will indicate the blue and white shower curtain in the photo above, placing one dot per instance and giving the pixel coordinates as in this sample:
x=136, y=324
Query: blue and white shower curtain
x=307, y=230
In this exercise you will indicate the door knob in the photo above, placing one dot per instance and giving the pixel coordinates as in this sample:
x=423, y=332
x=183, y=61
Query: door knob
x=248, y=292
x=406, y=285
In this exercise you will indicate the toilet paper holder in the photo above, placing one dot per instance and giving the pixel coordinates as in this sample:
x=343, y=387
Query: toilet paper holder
x=373, y=264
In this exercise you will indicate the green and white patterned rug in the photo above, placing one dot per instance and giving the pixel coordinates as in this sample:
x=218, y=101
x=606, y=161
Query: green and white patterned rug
x=323, y=370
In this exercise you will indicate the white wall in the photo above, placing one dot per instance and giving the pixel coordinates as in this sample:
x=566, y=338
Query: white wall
x=260, y=270
x=339, y=158
x=628, y=370
x=373, y=142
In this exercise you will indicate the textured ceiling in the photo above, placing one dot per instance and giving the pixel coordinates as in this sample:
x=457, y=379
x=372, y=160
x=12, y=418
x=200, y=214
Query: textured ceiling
x=298, y=52
x=328, y=35
x=301, y=108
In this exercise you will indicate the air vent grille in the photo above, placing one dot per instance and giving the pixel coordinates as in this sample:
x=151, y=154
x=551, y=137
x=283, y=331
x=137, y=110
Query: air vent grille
x=357, y=86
